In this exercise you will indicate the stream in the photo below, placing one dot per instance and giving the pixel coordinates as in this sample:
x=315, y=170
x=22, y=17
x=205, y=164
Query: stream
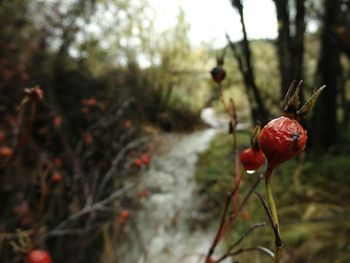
x=164, y=221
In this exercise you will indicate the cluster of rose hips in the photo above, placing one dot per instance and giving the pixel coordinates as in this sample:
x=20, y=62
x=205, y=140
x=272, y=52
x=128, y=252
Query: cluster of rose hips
x=88, y=104
x=143, y=193
x=123, y=216
x=5, y=151
x=282, y=138
x=143, y=160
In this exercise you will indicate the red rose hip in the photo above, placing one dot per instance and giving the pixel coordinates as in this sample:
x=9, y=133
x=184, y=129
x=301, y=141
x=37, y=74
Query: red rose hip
x=281, y=139
x=38, y=256
x=252, y=159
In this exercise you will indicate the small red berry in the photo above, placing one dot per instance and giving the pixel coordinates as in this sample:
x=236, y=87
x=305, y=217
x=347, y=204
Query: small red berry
x=88, y=138
x=128, y=124
x=121, y=221
x=209, y=260
x=218, y=74
x=124, y=214
x=56, y=177
x=38, y=256
x=123, y=217
x=143, y=193
x=145, y=159
x=89, y=102
x=5, y=152
x=252, y=159
x=281, y=139
x=245, y=216
x=57, y=121
x=138, y=163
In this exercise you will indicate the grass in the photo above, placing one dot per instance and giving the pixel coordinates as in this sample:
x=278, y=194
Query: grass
x=312, y=196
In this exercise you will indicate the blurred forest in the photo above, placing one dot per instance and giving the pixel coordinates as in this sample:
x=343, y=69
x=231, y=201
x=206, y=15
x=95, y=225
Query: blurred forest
x=69, y=160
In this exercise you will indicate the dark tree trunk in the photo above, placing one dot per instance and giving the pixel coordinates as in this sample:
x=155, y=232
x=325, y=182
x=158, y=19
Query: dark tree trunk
x=259, y=112
x=290, y=47
x=284, y=44
x=324, y=121
x=297, y=52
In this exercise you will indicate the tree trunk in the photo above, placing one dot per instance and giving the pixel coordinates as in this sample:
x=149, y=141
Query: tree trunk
x=297, y=51
x=290, y=47
x=259, y=112
x=324, y=121
x=284, y=45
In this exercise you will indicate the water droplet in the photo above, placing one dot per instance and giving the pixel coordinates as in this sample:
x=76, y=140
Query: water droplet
x=250, y=171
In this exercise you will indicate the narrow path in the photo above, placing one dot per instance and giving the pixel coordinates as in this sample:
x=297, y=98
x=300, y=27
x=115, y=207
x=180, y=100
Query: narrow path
x=164, y=221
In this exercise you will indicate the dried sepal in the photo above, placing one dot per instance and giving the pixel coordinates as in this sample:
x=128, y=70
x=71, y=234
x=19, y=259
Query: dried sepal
x=289, y=92
x=291, y=102
x=309, y=105
x=254, y=142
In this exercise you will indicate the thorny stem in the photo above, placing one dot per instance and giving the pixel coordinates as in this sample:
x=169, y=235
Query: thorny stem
x=225, y=225
x=273, y=210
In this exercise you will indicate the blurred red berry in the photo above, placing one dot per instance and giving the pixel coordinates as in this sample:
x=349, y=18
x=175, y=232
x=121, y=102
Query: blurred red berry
x=144, y=193
x=56, y=177
x=145, y=158
x=5, y=152
x=123, y=217
x=88, y=138
x=124, y=214
x=57, y=121
x=38, y=256
x=89, y=102
x=209, y=260
x=245, y=216
x=218, y=74
x=281, y=139
x=138, y=163
x=128, y=124
x=252, y=159
x=121, y=221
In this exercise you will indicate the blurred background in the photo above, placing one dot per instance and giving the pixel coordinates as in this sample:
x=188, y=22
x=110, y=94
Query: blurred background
x=106, y=153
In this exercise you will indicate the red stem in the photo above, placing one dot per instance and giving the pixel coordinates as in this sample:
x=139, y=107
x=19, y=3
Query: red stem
x=224, y=226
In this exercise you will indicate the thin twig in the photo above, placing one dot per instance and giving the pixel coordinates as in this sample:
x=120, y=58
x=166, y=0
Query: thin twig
x=101, y=205
x=221, y=225
x=245, y=234
x=264, y=250
x=112, y=170
x=269, y=215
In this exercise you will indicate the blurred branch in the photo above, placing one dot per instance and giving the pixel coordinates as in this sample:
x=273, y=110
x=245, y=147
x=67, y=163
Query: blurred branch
x=112, y=170
x=98, y=206
x=264, y=250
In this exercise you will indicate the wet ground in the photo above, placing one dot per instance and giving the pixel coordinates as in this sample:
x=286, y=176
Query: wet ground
x=166, y=221
x=167, y=233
